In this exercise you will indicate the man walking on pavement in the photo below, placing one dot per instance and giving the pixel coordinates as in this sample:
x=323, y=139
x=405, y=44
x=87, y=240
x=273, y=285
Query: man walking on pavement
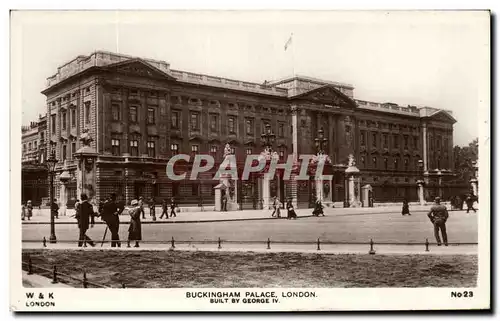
x=172, y=207
x=164, y=209
x=152, y=207
x=470, y=203
x=438, y=216
x=110, y=215
x=84, y=214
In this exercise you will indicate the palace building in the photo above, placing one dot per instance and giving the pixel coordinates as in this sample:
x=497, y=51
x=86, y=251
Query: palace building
x=140, y=112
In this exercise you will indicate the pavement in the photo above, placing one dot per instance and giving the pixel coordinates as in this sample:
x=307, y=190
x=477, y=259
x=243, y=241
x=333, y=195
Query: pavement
x=42, y=216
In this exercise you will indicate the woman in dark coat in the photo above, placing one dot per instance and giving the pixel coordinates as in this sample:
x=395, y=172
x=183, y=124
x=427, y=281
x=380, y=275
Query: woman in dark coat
x=406, y=208
x=318, y=209
x=290, y=209
x=134, y=230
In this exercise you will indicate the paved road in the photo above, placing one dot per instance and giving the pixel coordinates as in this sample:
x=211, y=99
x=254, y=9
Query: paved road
x=387, y=226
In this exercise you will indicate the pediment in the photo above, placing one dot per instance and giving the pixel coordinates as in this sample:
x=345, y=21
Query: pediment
x=138, y=67
x=329, y=96
x=443, y=116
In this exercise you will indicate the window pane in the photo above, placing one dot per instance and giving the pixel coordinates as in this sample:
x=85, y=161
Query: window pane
x=175, y=119
x=87, y=112
x=151, y=116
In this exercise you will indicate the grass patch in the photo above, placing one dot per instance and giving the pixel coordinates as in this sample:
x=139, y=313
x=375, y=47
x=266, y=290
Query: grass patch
x=175, y=269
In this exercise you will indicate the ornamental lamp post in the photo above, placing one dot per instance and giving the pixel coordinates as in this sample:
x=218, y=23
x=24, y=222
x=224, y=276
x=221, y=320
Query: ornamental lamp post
x=51, y=167
x=268, y=137
x=320, y=141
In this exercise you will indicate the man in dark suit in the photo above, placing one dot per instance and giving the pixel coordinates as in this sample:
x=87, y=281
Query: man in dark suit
x=84, y=214
x=438, y=216
x=172, y=207
x=110, y=214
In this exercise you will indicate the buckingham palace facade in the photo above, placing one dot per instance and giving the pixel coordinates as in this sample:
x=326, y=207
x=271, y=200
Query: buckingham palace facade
x=140, y=112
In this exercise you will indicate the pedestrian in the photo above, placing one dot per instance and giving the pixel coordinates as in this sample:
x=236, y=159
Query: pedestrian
x=84, y=215
x=318, y=209
x=290, y=209
x=224, y=202
x=134, y=230
x=141, y=207
x=110, y=215
x=164, y=208
x=55, y=209
x=406, y=208
x=276, y=207
x=23, y=211
x=29, y=210
x=470, y=203
x=438, y=216
x=152, y=206
x=172, y=207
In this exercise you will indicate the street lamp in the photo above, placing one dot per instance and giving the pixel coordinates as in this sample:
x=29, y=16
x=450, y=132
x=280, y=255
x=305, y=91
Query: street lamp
x=268, y=137
x=51, y=166
x=320, y=141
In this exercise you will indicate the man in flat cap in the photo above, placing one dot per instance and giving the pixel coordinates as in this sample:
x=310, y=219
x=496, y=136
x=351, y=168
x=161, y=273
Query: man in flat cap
x=110, y=214
x=438, y=216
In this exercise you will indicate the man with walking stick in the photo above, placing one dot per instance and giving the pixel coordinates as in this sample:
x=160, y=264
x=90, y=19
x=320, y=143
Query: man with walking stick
x=110, y=215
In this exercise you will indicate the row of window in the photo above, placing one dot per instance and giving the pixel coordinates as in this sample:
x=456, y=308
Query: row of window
x=174, y=148
x=195, y=120
x=35, y=146
x=67, y=97
x=436, y=143
x=396, y=165
x=385, y=140
x=63, y=118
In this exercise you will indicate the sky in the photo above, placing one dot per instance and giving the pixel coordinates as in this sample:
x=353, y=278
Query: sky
x=436, y=59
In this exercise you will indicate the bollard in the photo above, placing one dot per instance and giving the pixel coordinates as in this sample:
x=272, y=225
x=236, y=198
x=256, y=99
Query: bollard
x=372, y=251
x=268, y=244
x=318, y=245
x=54, y=276
x=44, y=242
x=128, y=243
x=30, y=266
x=85, y=282
x=426, y=245
x=173, y=243
x=219, y=247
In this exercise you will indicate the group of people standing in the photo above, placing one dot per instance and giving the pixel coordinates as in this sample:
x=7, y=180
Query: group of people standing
x=277, y=209
x=110, y=211
x=317, y=211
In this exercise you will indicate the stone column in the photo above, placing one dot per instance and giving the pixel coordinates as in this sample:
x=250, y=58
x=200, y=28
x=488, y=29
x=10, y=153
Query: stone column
x=420, y=190
x=265, y=193
x=473, y=183
x=424, y=146
x=319, y=190
x=218, y=205
x=295, y=146
x=63, y=198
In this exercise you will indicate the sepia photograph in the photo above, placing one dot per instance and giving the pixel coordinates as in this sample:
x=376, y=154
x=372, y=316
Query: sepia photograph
x=250, y=160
